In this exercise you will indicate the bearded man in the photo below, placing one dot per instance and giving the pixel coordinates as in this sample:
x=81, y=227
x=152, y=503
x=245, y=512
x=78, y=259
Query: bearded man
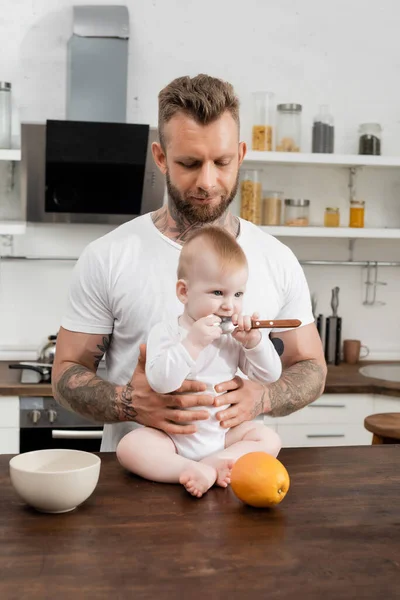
x=124, y=283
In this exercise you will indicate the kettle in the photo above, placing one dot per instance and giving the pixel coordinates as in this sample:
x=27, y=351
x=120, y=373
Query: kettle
x=47, y=353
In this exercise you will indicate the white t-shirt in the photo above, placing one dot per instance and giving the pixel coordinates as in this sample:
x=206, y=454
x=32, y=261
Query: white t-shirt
x=124, y=283
x=168, y=364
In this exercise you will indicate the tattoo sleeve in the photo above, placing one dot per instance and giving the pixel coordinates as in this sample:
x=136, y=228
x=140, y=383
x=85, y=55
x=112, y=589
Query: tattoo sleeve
x=259, y=407
x=299, y=385
x=81, y=390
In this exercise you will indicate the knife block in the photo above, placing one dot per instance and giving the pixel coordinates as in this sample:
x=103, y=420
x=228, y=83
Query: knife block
x=333, y=335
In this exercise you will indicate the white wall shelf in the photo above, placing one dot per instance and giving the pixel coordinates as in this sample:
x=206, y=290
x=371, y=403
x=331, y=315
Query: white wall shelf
x=11, y=155
x=12, y=227
x=323, y=160
x=332, y=232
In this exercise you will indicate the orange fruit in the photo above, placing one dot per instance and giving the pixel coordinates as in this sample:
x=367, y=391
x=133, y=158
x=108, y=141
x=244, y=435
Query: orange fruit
x=259, y=479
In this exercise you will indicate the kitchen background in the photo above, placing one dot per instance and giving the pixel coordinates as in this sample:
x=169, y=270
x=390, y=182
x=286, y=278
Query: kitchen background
x=344, y=54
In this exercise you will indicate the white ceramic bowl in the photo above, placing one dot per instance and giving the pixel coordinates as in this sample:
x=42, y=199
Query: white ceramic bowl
x=55, y=481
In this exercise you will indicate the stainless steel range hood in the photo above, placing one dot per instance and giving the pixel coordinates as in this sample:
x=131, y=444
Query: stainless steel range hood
x=98, y=64
x=92, y=167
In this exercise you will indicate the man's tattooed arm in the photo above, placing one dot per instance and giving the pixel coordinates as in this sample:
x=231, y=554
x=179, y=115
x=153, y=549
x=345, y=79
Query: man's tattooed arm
x=78, y=388
x=103, y=347
x=82, y=391
x=298, y=385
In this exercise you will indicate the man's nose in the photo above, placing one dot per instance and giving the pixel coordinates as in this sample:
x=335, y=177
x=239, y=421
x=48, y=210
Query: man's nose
x=207, y=178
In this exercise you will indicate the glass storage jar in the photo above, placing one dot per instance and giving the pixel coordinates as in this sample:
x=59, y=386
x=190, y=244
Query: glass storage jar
x=323, y=131
x=263, y=119
x=271, y=208
x=297, y=212
x=370, y=139
x=288, y=128
x=5, y=114
x=250, y=196
x=332, y=217
x=357, y=211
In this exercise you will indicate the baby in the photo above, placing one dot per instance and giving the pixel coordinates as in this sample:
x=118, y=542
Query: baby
x=212, y=277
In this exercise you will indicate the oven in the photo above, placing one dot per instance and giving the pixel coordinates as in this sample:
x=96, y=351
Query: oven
x=45, y=424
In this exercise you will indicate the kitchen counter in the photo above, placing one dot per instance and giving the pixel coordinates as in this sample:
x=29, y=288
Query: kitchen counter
x=10, y=383
x=343, y=379
x=335, y=535
x=346, y=379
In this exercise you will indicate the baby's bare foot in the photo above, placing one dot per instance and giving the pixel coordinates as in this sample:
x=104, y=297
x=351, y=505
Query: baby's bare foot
x=198, y=478
x=223, y=467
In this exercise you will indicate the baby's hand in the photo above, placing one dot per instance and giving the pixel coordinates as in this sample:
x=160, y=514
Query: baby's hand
x=202, y=333
x=243, y=333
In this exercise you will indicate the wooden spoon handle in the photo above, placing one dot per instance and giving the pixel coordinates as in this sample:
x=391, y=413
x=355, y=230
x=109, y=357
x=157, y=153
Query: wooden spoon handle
x=258, y=324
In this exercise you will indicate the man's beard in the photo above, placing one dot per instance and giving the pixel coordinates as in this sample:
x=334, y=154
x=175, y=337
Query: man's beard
x=197, y=213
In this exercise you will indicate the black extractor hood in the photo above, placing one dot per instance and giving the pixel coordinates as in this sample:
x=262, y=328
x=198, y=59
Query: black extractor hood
x=95, y=168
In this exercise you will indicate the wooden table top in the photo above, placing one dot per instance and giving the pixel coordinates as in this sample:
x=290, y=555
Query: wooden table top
x=335, y=535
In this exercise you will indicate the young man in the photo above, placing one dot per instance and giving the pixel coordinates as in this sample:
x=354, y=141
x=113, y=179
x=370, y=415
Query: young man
x=124, y=283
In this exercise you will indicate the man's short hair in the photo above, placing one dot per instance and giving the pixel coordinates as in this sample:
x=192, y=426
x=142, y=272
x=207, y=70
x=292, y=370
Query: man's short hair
x=204, y=98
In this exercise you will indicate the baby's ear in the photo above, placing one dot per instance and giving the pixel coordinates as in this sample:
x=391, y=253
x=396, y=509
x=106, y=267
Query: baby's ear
x=181, y=290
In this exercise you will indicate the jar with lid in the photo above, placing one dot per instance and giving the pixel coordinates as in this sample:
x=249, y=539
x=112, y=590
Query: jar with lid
x=5, y=114
x=323, y=131
x=288, y=128
x=263, y=119
x=357, y=211
x=370, y=139
x=297, y=212
x=332, y=217
x=271, y=208
x=250, y=196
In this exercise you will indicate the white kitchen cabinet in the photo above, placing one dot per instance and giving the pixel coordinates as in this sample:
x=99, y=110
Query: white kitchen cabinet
x=385, y=404
x=294, y=436
x=332, y=408
x=268, y=421
x=9, y=424
x=9, y=411
x=9, y=440
x=332, y=420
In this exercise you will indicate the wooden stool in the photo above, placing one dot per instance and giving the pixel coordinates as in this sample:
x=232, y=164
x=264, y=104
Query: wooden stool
x=385, y=428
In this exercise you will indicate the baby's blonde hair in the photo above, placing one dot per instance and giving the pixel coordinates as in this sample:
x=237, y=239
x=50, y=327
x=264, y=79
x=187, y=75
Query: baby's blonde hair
x=226, y=249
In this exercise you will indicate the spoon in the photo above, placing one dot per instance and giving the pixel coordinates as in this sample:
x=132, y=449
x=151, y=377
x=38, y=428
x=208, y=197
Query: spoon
x=227, y=326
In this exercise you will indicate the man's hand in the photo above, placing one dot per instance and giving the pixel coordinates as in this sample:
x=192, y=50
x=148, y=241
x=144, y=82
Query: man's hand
x=245, y=397
x=302, y=381
x=166, y=411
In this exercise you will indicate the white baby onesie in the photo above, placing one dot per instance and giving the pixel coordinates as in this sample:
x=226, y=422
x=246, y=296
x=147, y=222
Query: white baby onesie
x=168, y=364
